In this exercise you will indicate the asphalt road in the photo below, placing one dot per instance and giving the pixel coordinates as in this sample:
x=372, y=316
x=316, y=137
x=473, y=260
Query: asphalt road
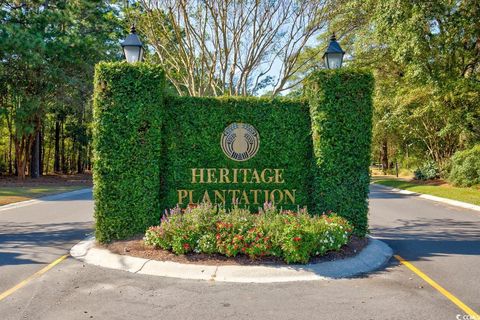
x=442, y=241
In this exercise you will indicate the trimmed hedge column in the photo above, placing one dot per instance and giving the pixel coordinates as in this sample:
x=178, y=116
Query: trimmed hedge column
x=128, y=112
x=341, y=113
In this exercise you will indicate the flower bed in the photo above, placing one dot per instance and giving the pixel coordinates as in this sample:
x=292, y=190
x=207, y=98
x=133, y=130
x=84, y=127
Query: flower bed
x=294, y=237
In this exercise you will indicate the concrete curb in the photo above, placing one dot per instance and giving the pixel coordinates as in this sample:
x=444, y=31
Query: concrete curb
x=455, y=203
x=375, y=255
x=52, y=197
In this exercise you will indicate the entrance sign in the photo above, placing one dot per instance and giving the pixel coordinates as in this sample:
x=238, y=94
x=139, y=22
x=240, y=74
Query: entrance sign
x=235, y=151
x=155, y=151
x=240, y=141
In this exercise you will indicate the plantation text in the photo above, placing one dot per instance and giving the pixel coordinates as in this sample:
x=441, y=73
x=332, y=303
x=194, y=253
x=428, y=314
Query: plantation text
x=243, y=176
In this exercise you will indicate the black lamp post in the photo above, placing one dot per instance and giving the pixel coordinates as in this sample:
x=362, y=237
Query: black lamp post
x=132, y=47
x=333, y=57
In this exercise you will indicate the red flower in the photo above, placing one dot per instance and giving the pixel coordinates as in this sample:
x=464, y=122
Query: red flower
x=296, y=239
x=186, y=246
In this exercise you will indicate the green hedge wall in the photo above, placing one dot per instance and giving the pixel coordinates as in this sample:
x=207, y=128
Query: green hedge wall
x=128, y=112
x=193, y=129
x=341, y=112
x=146, y=143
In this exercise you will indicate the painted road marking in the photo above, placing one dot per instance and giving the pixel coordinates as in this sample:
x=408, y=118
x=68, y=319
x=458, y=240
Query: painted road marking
x=439, y=288
x=33, y=276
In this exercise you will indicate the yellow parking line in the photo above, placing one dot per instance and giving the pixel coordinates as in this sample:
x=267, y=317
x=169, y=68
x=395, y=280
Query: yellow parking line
x=33, y=276
x=439, y=288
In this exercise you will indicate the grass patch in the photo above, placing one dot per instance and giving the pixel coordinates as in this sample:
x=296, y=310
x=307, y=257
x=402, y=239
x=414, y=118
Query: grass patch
x=469, y=195
x=13, y=194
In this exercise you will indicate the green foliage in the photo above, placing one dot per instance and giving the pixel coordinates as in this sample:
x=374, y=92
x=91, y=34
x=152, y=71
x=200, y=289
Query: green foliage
x=127, y=144
x=424, y=55
x=193, y=127
x=48, y=52
x=292, y=236
x=427, y=171
x=3, y=166
x=146, y=148
x=341, y=111
x=466, y=167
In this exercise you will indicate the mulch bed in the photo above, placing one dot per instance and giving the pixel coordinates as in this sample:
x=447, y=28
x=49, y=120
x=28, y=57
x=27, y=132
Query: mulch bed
x=136, y=248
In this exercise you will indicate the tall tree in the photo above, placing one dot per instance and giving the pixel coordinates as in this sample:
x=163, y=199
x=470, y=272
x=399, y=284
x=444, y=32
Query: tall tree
x=216, y=47
x=426, y=60
x=47, y=56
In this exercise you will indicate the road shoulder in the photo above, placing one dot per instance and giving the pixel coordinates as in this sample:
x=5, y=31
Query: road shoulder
x=53, y=197
x=451, y=202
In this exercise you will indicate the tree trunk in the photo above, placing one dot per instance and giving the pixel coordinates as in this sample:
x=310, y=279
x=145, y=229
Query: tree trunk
x=22, y=148
x=80, y=160
x=41, y=154
x=46, y=156
x=384, y=156
x=35, y=156
x=62, y=153
x=10, y=166
x=56, y=161
x=89, y=158
x=15, y=167
x=10, y=131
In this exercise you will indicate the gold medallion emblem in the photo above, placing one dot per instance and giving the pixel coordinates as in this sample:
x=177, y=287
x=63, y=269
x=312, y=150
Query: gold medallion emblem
x=240, y=141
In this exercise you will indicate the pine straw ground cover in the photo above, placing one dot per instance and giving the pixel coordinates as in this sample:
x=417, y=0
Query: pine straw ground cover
x=272, y=235
x=136, y=247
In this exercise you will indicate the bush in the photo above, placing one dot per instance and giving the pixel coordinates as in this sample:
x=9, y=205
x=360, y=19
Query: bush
x=465, y=170
x=292, y=236
x=127, y=130
x=147, y=146
x=3, y=166
x=429, y=170
x=341, y=112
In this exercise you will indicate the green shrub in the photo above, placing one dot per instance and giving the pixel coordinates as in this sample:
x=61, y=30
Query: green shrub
x=127, y=134
x=3, y=166
x=465, y=170
x=293, y=236
x=429, y=170
x=341, y=114
x=146, y=145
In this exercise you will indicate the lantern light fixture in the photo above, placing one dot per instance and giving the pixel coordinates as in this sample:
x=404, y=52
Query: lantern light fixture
x=132, y=47
x=333, y=57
